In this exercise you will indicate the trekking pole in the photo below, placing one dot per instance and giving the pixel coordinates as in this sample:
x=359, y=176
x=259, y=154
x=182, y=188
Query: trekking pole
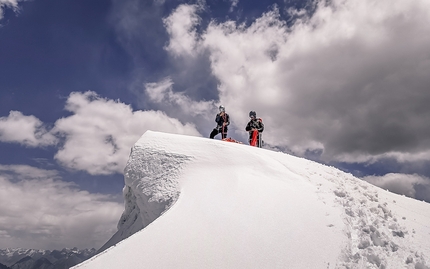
x=260, y=139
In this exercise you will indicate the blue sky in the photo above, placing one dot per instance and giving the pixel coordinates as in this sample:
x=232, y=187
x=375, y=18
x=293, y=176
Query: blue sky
x=342, y=83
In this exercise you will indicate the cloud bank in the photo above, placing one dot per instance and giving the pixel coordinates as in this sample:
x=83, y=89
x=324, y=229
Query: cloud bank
x=38, y=210
x=349, y=80
x=100, y=133
x=97, y=136
x=414, y=186
x=180, y=26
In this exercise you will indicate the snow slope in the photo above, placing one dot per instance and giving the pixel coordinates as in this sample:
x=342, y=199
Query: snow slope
x=212, y=204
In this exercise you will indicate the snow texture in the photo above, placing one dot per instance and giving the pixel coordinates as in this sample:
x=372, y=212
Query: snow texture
x=215, y=204
x=151, y=186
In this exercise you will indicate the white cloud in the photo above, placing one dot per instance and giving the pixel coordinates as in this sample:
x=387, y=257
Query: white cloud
x=44, y=212
x=404, y=184
x=162, y=92
x=159, y=2
x=13, y=4
x=181, y=26
x=27, y=172
x=157, y=91
x=234, y=4
x=243, y=60
x=350, y=79
x=25, y=130
x=100, y=133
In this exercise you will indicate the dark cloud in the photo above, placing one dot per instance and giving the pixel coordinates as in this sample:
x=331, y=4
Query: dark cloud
x=349, y=82
x=56, y=215
x=411, y=185
x=141, y=30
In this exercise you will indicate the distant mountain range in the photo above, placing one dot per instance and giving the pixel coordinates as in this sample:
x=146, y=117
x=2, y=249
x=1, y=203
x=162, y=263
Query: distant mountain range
x=18, y=258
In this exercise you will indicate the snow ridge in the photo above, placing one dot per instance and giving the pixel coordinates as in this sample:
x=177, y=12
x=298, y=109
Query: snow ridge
x=237, y=206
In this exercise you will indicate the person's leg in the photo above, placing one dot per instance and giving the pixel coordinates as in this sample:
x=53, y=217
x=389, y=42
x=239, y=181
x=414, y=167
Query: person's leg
x=213, y=134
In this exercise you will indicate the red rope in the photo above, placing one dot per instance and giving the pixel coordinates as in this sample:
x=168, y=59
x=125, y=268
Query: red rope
x=254, y=138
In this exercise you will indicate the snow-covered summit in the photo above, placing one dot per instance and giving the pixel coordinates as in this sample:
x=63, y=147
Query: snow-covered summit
x=215, y=204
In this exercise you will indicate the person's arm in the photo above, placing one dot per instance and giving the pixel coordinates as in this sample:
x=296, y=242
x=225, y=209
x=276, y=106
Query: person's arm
x=248, y=127
x=260, y=127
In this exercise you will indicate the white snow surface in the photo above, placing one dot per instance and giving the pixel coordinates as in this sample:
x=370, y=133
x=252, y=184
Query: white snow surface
x=206, y=203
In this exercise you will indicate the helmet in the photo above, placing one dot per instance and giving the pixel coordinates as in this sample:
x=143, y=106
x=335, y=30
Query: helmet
x=252, y=114
x=221, y=108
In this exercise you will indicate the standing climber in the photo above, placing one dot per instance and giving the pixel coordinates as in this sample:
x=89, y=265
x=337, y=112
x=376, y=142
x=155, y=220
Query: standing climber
x=255, y=127
x=223, y=120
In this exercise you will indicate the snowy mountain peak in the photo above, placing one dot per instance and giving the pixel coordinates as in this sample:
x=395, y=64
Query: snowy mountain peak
x=19, y=258
x=9, y=252
x=215, y=204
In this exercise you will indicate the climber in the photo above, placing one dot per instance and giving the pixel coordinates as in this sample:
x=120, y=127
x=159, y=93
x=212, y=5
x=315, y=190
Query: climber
x=223, y=120
x=255, y=128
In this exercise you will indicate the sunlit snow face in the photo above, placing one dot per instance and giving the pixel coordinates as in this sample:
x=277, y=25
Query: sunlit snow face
x=268, y=205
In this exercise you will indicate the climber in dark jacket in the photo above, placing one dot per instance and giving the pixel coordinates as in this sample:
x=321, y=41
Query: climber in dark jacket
x=255, y=124
x=223, y=120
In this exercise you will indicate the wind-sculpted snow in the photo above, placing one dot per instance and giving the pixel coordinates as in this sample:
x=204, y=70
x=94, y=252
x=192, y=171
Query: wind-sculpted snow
x=151, y=187
x=215, y=204
x=154, y=173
